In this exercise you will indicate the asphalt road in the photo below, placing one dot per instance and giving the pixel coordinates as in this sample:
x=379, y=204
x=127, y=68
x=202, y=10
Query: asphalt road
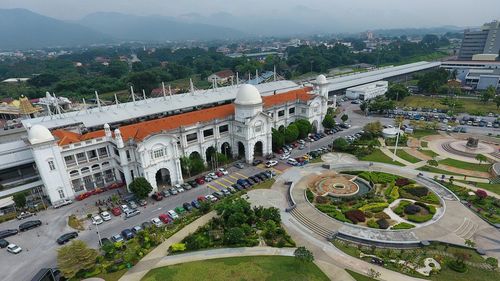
x=39, y=245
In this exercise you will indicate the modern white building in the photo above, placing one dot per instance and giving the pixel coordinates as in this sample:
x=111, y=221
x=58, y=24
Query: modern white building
x=367, y=91
x=71, y=153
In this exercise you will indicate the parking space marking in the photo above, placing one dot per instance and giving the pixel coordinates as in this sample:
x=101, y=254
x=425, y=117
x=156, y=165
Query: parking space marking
x=212, y=187
x=228, y=181
x=235, y=178
x=243, y=176
x=221, y=183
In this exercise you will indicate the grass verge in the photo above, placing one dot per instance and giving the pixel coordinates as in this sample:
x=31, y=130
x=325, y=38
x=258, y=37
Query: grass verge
x=429, y=153
x=406, y=156
x=378, y=156
x=465, y=165
x=264, y=185
x=420, y=133
x=431, y=169
x=239, y=268
x=359, y=277
x=493, y=187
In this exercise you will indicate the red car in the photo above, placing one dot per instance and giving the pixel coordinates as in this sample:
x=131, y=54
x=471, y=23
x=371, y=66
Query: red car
x=219, y=174
x=157, y=196
x=201, y=198
x=116, y=211
x=200, y=180
x=165, y=218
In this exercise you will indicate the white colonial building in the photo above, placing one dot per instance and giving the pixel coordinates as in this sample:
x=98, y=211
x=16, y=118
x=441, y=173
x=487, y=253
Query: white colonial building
x=76, y=152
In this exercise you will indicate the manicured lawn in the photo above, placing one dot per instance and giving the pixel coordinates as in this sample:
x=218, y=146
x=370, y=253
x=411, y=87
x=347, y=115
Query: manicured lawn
x=437, y=171
x=493, y=187
x=429, y=153
x=406, y=156
x=114, y=276
x=465, y=165
x=420, y=133
x=359, y=277
x=379, y=156
x=239, y=268
x=264, y=185
x=470, y=105
x=424, y=144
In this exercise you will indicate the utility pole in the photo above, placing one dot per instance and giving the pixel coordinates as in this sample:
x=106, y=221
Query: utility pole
x=397, y=140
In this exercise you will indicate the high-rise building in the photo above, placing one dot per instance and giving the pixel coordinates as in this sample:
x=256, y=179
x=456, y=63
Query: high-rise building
x=483, y=41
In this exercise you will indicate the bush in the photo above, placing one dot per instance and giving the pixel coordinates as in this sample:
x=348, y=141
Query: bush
x=374, y=207
x=431, y=209
x=412, y=209
x=382, y=215
x=368, y=214
x=402, y=182
x=372, y=224
x=401, y=206
x=419, y=218
x=457, y=265
x=431, y=198
x=394, y=193
x=332, y=212
x=418, y=191
x=383, y=223
x=177, y=247
x=355, y=216
x=403, y=225
x=322, y=200
x=309, y=195
x=492, y=261
x=481, y=194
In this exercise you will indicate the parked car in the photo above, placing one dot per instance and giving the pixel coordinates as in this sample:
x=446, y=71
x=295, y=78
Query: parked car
x=271, y=163
x=208, y=179
x=156, y=221
x=131, y=213
x=14, y=249
x=210, y=198
x=223, y=171
x=226, y=192
x=66, y=237
x=219, y=174
x=256, y=162
x=29, y=225
x=186, y=186
x=96, y=220
x=165, y=193
x=164, y=218
x=132, y=205
x=291, y=161
x=117, y=238
x=143, y=202
x=172, y=214
x=61, y=203
x=219, y=195
x=212, y=176
x=146, y=225
x=4, y=243
x=239, y=165
x=105, y=216
x=124, y=208
x=193, y=184
x=136, y=229
x=179, y=210
x=104, y=241
x=116, y=211
x=173, y=191
x=238, y=187
x=195, y=204
x=200, y=180
x=127, y=234
x=187, y=206
x=24, y=215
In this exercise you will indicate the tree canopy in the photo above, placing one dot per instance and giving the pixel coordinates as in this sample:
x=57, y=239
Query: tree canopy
x=75, y=257
x=140, y=187
x=397, y=92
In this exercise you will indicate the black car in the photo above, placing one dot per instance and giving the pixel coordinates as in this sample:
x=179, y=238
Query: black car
x=193, y=184
x=187, y=206
x=8, y=232
x=65, y=238
x=265, y=175
x=146, y=225
x=29, y=225
x=256, y=162
x=255, y=179
x=259, y=176
x=238, y=187
x=3, y=243
x=127, y=234
x=195, y=204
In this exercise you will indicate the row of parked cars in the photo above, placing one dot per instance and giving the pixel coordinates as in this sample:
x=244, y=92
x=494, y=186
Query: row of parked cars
x=25, y=226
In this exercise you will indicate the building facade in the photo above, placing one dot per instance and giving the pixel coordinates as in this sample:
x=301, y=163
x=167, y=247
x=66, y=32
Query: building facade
x=367, y=91
x=483, y=41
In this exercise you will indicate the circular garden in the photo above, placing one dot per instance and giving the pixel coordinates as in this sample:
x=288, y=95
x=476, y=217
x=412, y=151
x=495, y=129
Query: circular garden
x=390, y=202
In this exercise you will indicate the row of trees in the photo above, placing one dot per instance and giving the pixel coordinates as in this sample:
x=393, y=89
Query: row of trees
x=296, y=130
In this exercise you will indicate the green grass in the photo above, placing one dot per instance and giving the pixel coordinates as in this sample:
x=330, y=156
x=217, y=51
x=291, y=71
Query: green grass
x=239, y=268
x=264, y=185
x=113, y=276
x=429, y=153
x=437, y=171
x=420, y=133
x=406, y=156
x=472, y=106
x=465, y=165
x=379, y=156
x=493, y=187
x=359, y=277
x=424, y=144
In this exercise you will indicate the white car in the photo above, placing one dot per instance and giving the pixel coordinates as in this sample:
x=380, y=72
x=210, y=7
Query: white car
x=292, y=161
x=213, y=176
x=124, y=208
x=285, y=156
x=96, y=219
x=223, y=171
x=271, y=163
x=105, y=216
x=156, y=221
x=13, y=248
x=211, y=198
x=172, y=214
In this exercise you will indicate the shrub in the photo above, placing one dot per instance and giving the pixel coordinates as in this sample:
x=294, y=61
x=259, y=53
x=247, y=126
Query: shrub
x=383, y=223
x=419, y=218
x=322, y=200
x=388, y=190
x=372, y=224
x=403, y=225
x=368, y=214
x=177, y=247
x=382, y=215
x=418, y=191
x=401, y=206
x=430, y=198
x=412, y=209
x=332, y=212
x=394, y=193
x=431, y=209
x=402, y=182
x=481, y=194
x=374, y=207
x=492, y=261
x=355, y=216
x=309, y=195
x=457, y=265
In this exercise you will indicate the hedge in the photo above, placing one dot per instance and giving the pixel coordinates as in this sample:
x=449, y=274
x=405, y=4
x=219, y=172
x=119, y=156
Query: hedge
x=383, y=223
x=458, y=266
x=372, y=224
x=332, y=211
x=431, y=198
x=419, y=218
x=374, y=207
x=355, y=216
x=399, y=210
x=431, y=209
x=403, y=225
x=412, y=209
x=419, y=191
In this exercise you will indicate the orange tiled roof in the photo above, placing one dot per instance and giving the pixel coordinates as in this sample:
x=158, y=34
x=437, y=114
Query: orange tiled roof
x=141, y=130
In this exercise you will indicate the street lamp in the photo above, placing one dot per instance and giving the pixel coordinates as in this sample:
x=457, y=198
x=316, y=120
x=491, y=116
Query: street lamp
x=98, y=234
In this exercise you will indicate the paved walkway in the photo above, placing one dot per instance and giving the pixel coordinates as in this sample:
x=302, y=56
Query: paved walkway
x=155, y=256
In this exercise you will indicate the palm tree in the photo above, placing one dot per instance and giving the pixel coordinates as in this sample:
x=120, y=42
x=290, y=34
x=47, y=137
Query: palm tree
x=481, y=158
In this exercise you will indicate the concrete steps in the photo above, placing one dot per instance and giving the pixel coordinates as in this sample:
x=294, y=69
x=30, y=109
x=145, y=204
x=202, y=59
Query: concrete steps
x=467, y=229
x=311, y=225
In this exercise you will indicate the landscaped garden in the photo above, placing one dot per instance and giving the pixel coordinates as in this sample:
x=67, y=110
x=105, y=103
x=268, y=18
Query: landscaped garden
x=239, y=268
x=465, y=165
x=406, y=156
x=392, y=202
x=440, y=261
x=378, y=156
x=238, y=225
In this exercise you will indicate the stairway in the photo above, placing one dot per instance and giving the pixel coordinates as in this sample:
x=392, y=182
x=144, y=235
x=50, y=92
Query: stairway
x=311, y=225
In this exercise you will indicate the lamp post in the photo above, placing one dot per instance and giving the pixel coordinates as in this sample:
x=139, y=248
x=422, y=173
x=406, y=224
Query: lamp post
x=98, y=234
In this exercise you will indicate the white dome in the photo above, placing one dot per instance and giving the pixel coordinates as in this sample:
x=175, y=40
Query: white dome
x=106, y=126
x=39, y=134
x=321, y=79
x=248, y=95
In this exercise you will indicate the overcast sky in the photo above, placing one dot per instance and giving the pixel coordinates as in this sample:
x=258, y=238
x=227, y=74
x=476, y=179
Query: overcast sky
x=367, y=14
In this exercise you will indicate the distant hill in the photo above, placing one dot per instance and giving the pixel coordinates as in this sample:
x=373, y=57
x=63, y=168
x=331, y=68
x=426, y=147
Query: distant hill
x=154, y=28
x=23, y=29
x=418, y=31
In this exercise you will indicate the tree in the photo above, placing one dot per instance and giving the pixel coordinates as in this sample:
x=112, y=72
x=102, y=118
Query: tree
x=344, y=118
x=186, y=166
x=278, y=139
x=20, y=199
x=328, y=122
x=397, y=92
x=340, y=144
x=291, y=133
x=372, y=273
x=374, y=129
x=432, y=162
x=234, y=235
x=470, y=243
x=304, y=127
x=303, y=254
x=75, y=257
x=481, y=158
x=488, y=94
x=496, y=99
x=140, y=187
